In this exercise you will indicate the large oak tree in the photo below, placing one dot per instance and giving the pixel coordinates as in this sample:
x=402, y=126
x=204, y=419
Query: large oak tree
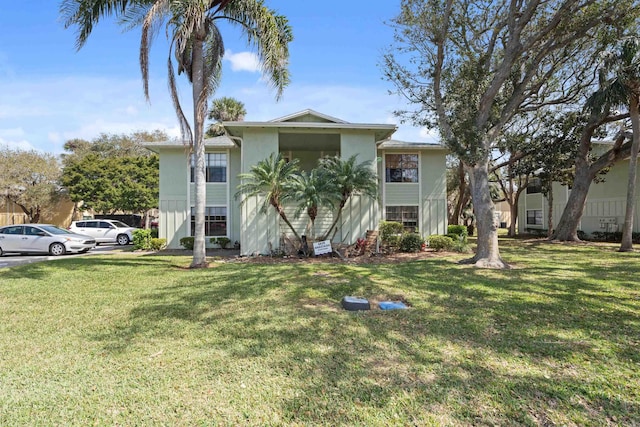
x=469, y=67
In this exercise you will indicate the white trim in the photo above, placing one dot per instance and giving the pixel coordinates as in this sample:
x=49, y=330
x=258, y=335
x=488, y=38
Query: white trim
x=309, y=112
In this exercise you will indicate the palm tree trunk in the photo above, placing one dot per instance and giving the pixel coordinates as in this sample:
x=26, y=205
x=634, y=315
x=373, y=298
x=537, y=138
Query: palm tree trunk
x=199, y=111
x=335, y=221
x=627, y=231
x=283, y=215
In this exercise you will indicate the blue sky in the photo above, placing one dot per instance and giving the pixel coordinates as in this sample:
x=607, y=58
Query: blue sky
x=49, y=92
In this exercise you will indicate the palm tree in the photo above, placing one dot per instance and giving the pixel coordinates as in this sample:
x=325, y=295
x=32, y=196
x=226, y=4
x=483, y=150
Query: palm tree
x=348, y=178
x=311, y=191
x=223, y=110
x=620, y=85
x=196, y=42
x=270, y=178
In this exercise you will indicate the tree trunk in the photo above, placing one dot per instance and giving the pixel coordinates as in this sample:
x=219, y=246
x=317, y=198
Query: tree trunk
x=550, y=212
x=513, y=209
x=567, y=230
x=199, y=111
x=462, y=196
x=487, y=252
x=627, y=231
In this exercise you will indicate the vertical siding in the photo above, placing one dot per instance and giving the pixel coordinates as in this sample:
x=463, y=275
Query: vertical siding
x=258, y=229
x=234, y=211
x=433, y=182
x=173, y=196
x=173, y=221
x=361, y=213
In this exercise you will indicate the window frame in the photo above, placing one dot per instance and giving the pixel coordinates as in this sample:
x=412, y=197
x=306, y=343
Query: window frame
x=405, y=176
x=535, y=217
x=210, y=164
x=405, y=219
x=209, y=223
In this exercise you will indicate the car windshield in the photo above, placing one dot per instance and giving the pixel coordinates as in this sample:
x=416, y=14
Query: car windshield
x=54, y=230
x=119, y=224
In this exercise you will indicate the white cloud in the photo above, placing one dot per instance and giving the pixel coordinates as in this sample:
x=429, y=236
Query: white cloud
x=16, y=145
x=131, y=110
x=243, y=61
x=54, y=137
x=12, y=133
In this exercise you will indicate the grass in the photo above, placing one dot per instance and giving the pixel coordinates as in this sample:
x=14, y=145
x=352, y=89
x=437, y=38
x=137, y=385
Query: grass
x=140, y=340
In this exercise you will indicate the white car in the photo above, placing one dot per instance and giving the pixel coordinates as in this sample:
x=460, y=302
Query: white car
x=28, y=238
x=104, y=230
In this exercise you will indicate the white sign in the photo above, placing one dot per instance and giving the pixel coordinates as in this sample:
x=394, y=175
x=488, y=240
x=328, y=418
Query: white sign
x=324, y=247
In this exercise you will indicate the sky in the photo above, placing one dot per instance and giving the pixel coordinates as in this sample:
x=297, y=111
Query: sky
x=50, y=92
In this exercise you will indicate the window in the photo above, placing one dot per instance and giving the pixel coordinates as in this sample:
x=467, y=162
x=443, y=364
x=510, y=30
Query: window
x=407, y=215
x=534, y=217
x=535, y=186
x=215, y=167
x=215, y=221
x=17, y=229
x=401, y=168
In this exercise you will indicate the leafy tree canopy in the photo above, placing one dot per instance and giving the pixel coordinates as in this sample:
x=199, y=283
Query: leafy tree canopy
x=30, y=180
x=113, y=172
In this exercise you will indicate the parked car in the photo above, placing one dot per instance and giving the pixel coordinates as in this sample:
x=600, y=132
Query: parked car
x=104, y=230
x=47, y=238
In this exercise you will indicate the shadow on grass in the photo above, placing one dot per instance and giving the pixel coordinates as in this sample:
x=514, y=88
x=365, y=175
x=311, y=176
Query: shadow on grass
x=477, y=347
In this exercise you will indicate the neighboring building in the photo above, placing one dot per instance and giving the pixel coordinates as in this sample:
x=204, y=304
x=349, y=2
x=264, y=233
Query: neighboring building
x=412, y=178
x=604, y=208
x=61, y=214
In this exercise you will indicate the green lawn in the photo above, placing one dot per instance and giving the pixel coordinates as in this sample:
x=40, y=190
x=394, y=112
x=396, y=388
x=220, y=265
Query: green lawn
x=140, y=340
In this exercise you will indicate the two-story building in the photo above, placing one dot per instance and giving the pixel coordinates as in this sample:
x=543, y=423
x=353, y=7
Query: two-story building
x=412, y=179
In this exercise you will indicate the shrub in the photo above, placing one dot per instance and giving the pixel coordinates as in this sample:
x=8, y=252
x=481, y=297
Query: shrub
x=141, y=239
x=187, y=243
x=154, y=233
x=157, y=244
x=459, y=230
x=441, y=243
x=461, y=246
x=222, y=241
x=411, y=242
x=391, y=234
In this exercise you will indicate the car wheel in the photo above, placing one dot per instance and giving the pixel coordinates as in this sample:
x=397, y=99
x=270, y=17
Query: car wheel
x=122, y=239
x=84, y=251
x=1, y=252
x=57, y=249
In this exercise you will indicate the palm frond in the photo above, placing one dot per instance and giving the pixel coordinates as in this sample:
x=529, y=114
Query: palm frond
x=185, y=128
x=86, y=13
x=267, y=32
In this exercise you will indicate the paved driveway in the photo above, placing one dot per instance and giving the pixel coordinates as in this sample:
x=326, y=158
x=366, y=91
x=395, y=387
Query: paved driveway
x=12, y=260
